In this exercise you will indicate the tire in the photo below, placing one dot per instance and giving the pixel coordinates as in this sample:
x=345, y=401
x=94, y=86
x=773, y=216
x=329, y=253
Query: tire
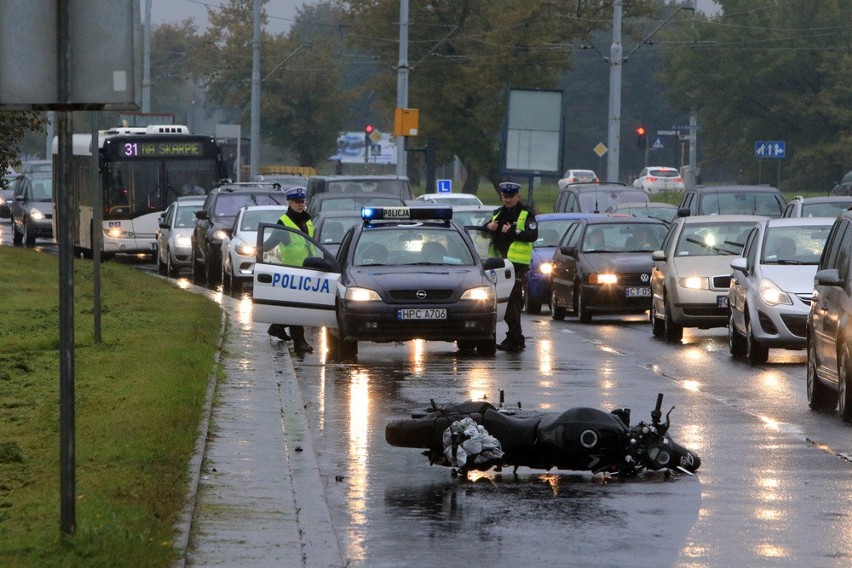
x=755, y=353
x=466, y=345
x=486, y=348
x=162, y=268
x=531, y=306
x=557, y=312
x=197, y=270
x=672, y=331
x=658, y=327
x=844, y=388
x=820, y=397
x=171, y=270
x=736, y=343
x=17, y=237
x=29, y=238
x=348, y=350
x=211, y=269
x=235, y=285
x=224, y=279
x=583, y=313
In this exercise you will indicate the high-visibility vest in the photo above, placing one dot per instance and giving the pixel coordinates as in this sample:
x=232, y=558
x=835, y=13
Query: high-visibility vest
x=295, y=252
x=519, y=251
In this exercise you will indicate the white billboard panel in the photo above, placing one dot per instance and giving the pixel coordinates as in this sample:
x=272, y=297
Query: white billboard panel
x=533, y=142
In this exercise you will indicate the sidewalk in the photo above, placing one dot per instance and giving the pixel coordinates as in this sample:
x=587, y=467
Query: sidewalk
x=257, y=498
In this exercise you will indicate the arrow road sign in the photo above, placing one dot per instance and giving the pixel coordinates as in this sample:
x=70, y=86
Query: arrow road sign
x=770, y=149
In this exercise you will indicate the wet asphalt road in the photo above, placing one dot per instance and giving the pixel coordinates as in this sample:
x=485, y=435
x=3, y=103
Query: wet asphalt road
x=772, y=489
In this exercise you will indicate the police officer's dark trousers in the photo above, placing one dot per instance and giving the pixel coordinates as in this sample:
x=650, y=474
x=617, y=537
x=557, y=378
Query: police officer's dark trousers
x=516, y=305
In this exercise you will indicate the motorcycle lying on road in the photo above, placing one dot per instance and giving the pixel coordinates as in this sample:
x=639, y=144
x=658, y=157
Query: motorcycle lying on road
x=476, y=435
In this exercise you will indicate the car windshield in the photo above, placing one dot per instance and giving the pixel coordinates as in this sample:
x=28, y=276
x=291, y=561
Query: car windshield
x=229, y=204
x=623, y=237
x=597, y=201
x=830, y=209
x=355, y=203
x=472, y=218
x=550, y=231
x=393, y=186
x=186, y=216
x=664, y=173
x=411, y=245
x=713, y=239
x=42, y=189
x=331, y=231
x=741, y=203
x=253, y=217
x=794, y=245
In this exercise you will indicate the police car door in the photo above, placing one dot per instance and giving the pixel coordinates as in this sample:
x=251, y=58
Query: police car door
x=504, y=279
x=295, y=279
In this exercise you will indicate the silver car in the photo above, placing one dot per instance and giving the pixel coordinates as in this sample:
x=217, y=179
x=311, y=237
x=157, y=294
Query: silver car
x=238, y=246
x=32, y=208
x=772, y=285
x=174, y=246
x=692, y=272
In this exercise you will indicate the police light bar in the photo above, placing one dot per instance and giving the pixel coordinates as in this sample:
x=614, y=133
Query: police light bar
x=406, y=213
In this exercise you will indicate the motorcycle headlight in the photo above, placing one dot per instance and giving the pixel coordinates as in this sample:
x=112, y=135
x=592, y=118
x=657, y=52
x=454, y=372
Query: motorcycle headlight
x=356, y=294
x=695, y=282
x=659, y=456
x=546, y=267
x=604, y=278
x=481, y=293
x=772, y=295
x=36, y=214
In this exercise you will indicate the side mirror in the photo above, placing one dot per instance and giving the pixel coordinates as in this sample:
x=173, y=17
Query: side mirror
x=828, y=277
x=658, y=256
x=201, y=214
x=741, y=264
x=568, y=250
x=492, y=263
x=683, y=212
x=164, y=225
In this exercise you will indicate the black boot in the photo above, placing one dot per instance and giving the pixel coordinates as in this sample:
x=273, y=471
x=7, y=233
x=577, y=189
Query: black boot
x=279, y=331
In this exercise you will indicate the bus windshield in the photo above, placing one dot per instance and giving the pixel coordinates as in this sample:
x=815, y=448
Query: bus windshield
x=137, y=187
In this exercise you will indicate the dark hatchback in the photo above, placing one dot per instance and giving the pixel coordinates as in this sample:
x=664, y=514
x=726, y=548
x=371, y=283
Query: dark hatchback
x=603, y=266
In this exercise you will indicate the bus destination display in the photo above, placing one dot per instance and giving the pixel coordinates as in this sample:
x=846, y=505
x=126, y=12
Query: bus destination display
x=162, y=149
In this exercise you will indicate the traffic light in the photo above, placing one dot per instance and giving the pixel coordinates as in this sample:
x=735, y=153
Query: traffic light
x=368, y=129
x=640, y=137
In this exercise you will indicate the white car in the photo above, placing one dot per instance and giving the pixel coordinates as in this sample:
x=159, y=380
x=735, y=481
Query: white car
x=577, y=176
x=772, y=286
x=449, y=198
x=238, y=247
x=655, y=179
x=174, y=235
x=691, y=275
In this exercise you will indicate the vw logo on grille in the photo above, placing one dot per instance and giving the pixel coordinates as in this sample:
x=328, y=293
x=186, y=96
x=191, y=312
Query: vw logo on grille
x=645, y=277
x=421, y=294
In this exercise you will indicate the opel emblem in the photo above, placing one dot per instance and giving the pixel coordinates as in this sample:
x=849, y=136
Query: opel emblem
x=421, y=294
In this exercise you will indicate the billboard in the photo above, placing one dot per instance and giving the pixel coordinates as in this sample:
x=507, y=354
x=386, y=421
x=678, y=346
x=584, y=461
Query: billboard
x=532, y=141
x=351, y=148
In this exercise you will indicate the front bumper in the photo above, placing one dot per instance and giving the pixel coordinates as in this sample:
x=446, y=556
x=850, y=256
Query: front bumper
x=378, y=321
x=614, y=299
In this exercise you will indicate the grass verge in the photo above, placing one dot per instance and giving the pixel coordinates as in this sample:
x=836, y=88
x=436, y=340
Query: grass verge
x=139, y=396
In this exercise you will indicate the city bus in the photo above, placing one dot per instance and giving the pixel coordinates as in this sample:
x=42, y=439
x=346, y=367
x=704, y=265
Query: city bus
x=141, y=171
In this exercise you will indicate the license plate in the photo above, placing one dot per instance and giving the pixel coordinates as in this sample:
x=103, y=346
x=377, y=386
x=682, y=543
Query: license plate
x=421, y=314
x=721, y=301
x=638, y=292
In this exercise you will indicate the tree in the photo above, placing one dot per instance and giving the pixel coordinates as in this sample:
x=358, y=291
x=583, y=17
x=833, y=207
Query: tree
x=15, y=125
x=764, y=70
x=173, y=76
x=464, y=55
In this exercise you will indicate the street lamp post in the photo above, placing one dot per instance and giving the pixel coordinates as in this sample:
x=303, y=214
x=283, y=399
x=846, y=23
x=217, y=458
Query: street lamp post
x=254, y=159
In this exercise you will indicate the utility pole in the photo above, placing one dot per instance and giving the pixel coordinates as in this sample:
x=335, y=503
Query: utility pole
x=255, y=93
x=614, y=122
x=693, y=127
x=146, y=60
x=402, y=84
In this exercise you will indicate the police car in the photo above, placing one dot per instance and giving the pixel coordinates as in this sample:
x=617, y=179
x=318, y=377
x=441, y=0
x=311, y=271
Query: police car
x=402, y=273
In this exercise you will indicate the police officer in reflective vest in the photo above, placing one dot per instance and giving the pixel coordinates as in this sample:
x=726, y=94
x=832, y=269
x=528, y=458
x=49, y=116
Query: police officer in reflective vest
x=293, y=252
x=515, y=230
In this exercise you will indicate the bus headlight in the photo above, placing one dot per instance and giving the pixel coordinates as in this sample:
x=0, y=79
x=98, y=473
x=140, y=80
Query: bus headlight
x=117, y=233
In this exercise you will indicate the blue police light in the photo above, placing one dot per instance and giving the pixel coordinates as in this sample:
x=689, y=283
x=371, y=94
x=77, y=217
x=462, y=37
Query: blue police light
x=406, y=213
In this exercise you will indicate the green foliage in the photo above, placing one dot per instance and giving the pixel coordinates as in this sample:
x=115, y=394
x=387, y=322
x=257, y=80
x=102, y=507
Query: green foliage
x=15, y=125
x=174, y=48
x=768, y=70
x=138, y=397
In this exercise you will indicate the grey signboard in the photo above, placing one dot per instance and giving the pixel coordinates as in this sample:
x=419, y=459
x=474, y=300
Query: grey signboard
x=533, y=138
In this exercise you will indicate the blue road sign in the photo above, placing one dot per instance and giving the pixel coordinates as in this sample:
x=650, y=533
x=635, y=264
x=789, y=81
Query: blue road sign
x=657, y=144
x=770, y=149
x=445, y=185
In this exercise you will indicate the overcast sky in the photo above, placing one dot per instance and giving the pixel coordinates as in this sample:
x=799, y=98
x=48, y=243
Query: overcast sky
x=281, y=12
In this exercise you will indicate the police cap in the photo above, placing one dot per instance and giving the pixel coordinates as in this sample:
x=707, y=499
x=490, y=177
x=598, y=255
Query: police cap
x=509, y=188
x=297, y=193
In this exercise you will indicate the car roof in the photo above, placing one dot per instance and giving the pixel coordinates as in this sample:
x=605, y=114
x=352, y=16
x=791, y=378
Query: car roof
x=607, y=219
x=263, y=207
x=735, y=188
x=569, y=216
x=666, y=168
x=598, y=186
x=644, y=205
x=359, y=178
x=799, y=221
x=824, y=199
x=350, y=196
x=191, y=199
x=247, y=186
x=693, y=219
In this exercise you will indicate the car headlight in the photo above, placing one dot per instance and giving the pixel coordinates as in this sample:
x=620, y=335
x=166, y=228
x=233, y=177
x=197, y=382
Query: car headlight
x=605, y=278
x=480, y=293
x=356, y=294
x=694, y=282
x=36, y=214
x=220, y=234
x=545, y=267
x=243, y=248
x=183, y=241
x=772, y=295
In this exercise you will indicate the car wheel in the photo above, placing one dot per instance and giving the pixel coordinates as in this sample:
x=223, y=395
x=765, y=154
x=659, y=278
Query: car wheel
x=235, y=284
x=29, y=238
x=844, y=388
x=530, y=304
x=162, y=268
x=17, y=236
x=486, y=348
x=197, y=270
x=211, y=270
x=672, y=331
x=170, y=268
x=348, y=350
x=736, y=342
x=466, y=345
x=820, y=397
x=583, y=313
x=658, y=327
x=557, y=312
x=755, y=353
x=223, y=278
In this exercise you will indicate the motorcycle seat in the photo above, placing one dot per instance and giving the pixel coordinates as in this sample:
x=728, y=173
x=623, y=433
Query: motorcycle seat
x=514, y=433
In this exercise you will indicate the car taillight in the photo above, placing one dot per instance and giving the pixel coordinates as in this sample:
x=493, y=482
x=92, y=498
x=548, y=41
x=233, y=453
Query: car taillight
x=652, y=178
x=678, y=179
